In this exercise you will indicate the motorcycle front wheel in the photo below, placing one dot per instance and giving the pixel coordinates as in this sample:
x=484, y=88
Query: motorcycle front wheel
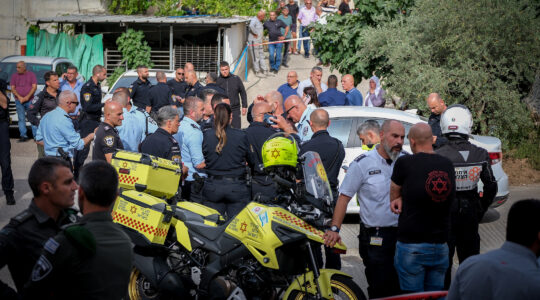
x=342, y=287
x=139, y=288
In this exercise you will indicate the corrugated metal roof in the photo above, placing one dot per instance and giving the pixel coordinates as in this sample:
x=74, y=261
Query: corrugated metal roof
x=141, y=19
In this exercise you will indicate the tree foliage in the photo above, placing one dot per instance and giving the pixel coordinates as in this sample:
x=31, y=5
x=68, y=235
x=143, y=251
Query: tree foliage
x=480, y=53
x=135, y=51
x=129, y=7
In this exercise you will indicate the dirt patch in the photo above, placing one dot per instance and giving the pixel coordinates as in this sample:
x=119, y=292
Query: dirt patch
x=520, y=172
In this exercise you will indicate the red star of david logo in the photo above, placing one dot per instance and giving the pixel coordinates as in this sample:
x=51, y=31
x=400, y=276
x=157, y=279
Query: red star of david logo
x=439, y=185
x=133, y=209
x=243, y=227
x=275, y=153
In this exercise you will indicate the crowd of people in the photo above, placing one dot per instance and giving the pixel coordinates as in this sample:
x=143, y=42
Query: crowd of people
x=416, y=210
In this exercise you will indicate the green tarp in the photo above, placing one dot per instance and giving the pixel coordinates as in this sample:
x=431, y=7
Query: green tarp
x=85, y=51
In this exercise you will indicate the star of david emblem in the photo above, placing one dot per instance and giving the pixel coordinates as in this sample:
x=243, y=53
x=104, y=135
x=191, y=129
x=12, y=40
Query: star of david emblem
x=243, y=227
x=275, y=153
x=133, y=209
x=439, y=185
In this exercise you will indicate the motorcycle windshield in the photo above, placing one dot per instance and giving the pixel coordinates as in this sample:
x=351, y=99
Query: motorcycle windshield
x=315, y=178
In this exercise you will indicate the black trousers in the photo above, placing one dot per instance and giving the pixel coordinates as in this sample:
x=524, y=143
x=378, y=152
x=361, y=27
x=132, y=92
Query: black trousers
x=189, y=192
x=379, y=260
x=87, y=126
x=332, y=259
x=228, y=196
x=5, y=158
x=464, y=237
x=285, y=52
x=236, y=121
x=264, y=186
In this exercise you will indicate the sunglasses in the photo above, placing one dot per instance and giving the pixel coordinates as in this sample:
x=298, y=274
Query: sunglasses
x=180, y=73
x=74, y=102
x=288, y=110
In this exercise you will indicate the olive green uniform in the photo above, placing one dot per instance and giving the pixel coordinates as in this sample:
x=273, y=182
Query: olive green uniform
x=91, y=259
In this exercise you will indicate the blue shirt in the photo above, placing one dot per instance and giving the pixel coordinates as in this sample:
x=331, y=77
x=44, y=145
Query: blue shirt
x=65, y=86
x=304, y=130
x=286, y=90
x=56, y=131
x=191, y=135
x=354, y=97
x=133, y=129
x=332, y=97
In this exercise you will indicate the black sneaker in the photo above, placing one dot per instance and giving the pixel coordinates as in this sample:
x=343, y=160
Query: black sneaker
x=23, y=139
x=10, y=199
x=285, y=65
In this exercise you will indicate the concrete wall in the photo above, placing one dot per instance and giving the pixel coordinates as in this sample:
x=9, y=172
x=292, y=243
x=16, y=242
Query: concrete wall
x=234, y=42
x=15, y=14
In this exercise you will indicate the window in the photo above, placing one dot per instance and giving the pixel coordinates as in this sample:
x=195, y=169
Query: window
x=341, y=129
x=7, y=69
x=61, y=68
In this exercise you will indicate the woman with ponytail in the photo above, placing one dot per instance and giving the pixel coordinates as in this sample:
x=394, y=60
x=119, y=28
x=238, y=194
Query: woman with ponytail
x=226, y=151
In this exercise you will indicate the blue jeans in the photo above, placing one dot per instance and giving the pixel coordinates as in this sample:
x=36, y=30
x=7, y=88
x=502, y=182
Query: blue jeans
x=21, y=115
x=421, y=267
x=275, y=55
x=304, y=32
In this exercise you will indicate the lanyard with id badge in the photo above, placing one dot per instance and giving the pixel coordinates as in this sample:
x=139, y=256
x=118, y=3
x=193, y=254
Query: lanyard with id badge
x=376, y=240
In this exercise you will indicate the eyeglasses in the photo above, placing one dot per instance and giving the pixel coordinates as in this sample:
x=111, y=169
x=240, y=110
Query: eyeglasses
x=180, y=73
x=74, y=102
x=288, y=110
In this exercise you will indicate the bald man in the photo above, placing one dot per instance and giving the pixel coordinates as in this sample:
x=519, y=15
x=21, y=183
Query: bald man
x=423, y=207
x=107, y=140
x=290, y=87
x=194, y=86
x=161, y=94
x=437, y=106
x=353, y=96
x=299, y=113
x=257, y=133
x=189, y=67
x=332, y=153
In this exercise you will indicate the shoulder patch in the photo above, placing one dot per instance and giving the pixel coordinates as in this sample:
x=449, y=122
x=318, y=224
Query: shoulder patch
x=42, y=268
x=87, y=96
x=51, y=245
x=23, y=216
x=195, y=126
x=81, y=238
x=106, y=127
x=360, y=157
x=109, y=140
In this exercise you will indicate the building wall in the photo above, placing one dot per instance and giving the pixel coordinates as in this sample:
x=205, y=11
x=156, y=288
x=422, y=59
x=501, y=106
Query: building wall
x=234, y=42
x=15, y=14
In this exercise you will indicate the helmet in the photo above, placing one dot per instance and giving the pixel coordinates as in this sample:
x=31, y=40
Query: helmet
x=279, y=150
x=456, y=118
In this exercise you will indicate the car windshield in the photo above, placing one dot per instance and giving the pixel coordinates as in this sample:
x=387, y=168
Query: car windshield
x=7, y=69
x=341, y=128
x=126, y=82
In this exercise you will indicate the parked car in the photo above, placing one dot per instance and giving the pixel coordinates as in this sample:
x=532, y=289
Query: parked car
x=37, y=64
x=346, y=119
x=126, y=79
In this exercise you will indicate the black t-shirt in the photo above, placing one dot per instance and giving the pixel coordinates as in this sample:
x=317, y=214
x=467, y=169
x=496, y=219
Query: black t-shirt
x=107, y=141
x=344, y=8
x=4, y=113
x=293, y=11
x=274, y=29
x=179, y=88
x=427, y=188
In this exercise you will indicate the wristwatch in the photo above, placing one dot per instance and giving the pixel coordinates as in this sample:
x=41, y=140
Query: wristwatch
x=334, y=228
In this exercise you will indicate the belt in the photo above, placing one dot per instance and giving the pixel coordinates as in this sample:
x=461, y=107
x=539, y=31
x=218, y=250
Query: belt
x=92, y=117
x=226, y=177
x=377, y=228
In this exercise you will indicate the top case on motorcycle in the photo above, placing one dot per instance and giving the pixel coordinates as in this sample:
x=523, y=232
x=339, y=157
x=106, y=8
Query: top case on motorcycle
x=147, y=215
x=145, y=173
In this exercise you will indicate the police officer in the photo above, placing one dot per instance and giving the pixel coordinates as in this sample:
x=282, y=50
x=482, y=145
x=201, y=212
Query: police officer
x=161, y=94
x=207, y=119
x=257, y=133
x=23, y=238
x=471, y=164
x=194, y=86
x=137, y=123
x=56, y=130
x=44, y=102
x=91, y=259
x=192, y=137
x=107, y=138
x=225, y=151
x=298, y=113
x=235, y=91
x=369, y=177
x=437, y=106
x=91, y=112
x=368, y=132
x=5, y=145
x=211, y=78
x=162, y=143
x=178, y=85
x=140, y=89
x=332, y=153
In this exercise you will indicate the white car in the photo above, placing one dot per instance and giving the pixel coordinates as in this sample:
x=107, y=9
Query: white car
x=126, y=79
x=344, y=120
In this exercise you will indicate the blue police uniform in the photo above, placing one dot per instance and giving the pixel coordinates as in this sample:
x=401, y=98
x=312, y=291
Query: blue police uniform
x=5, y=146
x=354, y=97
x=304, y=130
x=211, y=86
x=257, y=133
x=140, y=93
x=207, y=124
x=369, y=177
x=191, y=145
x=56, y=131
x=179, y=87
x=162, y=144
x=226, y=188
x=88, y=120
x=161, y=95
x=332, y=97
x=193, y=91
x=136, y=126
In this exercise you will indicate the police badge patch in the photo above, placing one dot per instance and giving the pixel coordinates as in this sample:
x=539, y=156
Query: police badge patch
x=109, y=140
x=42, y=268
x=87, y=96
x=305, y=130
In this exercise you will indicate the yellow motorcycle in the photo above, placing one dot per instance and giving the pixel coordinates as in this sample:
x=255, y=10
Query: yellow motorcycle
x=188, y=251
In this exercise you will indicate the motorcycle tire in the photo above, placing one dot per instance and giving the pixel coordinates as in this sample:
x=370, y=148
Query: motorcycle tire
x=343, y=288
x=140, y=289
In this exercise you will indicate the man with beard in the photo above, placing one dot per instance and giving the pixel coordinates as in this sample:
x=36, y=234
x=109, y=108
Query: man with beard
x=140, y=89
x=369, y=177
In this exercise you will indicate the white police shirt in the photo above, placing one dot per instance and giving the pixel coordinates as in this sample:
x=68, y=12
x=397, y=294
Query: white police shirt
x=369, y=177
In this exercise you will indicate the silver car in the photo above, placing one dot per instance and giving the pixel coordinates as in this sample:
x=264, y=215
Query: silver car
x=346, y=119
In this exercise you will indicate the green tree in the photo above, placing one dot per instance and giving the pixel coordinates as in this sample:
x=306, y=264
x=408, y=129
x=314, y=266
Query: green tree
x=128, y=7
x=135, y=51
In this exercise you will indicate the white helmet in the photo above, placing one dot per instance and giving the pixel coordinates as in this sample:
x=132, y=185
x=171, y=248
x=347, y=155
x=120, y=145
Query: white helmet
x=456, y=118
